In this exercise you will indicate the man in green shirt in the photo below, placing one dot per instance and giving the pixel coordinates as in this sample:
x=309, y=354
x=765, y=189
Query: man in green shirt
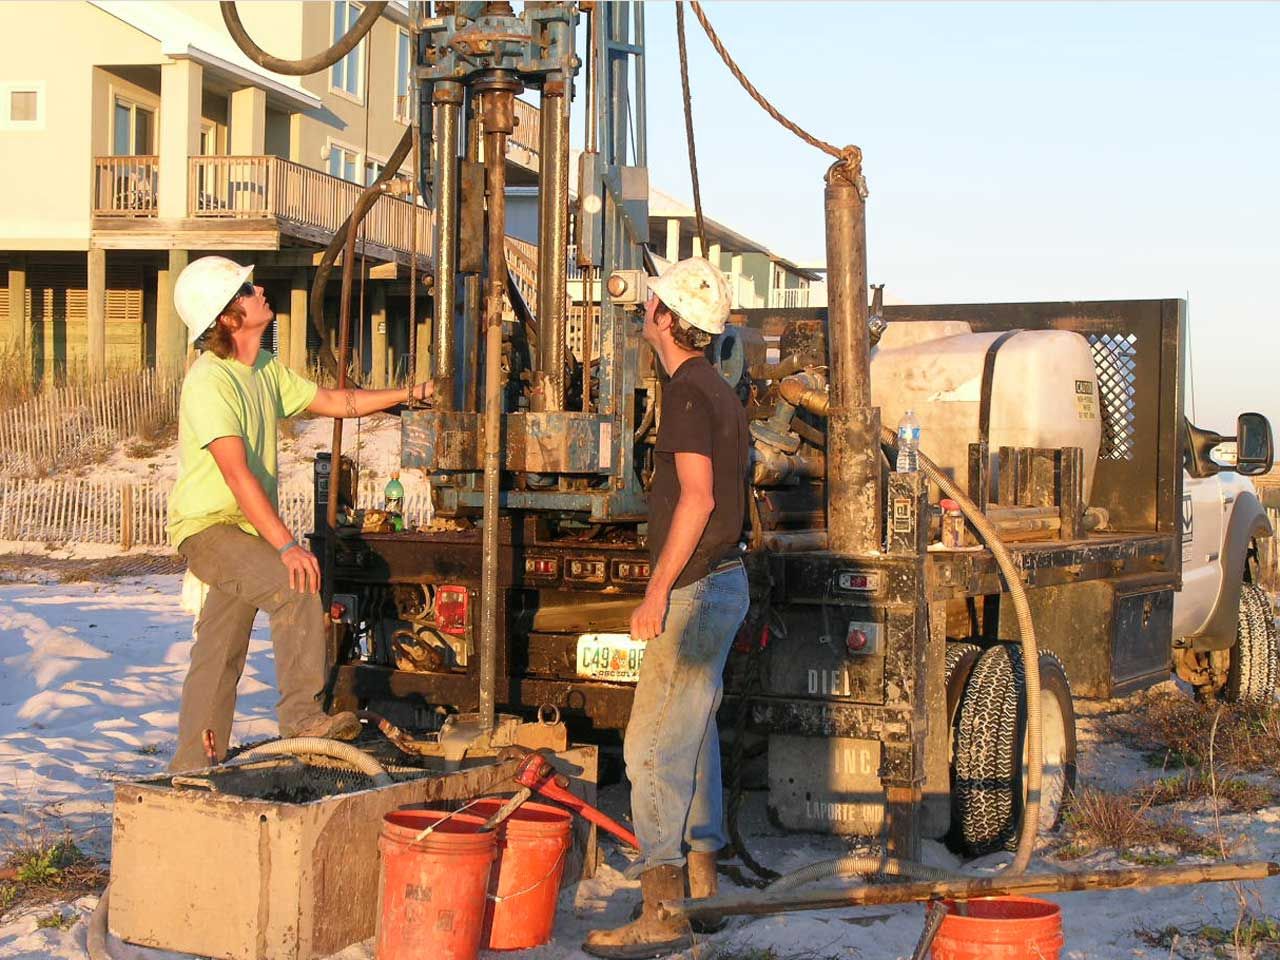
x=223, y=515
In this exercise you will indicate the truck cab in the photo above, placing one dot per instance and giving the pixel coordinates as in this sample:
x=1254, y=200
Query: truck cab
x=1223, y=623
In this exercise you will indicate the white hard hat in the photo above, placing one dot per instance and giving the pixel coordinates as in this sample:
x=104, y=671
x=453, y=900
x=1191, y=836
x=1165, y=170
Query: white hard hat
x=204, y=288
x=696, y=292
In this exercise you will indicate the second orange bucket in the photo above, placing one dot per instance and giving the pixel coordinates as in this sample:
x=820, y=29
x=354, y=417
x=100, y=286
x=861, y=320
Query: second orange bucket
x=525, y=886
x=1000, y=928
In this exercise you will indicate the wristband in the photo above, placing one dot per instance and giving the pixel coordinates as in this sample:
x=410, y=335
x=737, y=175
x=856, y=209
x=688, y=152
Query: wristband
x=287, y=547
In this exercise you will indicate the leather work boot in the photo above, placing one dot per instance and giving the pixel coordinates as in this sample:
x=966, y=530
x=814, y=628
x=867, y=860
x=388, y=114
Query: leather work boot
x=650, y=935
x=340, y=726
x=703, y=883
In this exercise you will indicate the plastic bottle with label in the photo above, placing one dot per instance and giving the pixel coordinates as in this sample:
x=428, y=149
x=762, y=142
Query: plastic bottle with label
x=394, y=495
x=908, y=443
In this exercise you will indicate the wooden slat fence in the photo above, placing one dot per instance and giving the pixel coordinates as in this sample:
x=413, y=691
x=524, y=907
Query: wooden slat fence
x=65, y=425
x=67, y=511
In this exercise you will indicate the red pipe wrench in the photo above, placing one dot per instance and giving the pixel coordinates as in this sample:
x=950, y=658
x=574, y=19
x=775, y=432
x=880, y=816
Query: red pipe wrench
x=535, y=773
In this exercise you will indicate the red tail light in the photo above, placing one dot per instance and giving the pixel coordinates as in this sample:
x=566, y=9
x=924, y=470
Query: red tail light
x=451, y=609
x=856, y=640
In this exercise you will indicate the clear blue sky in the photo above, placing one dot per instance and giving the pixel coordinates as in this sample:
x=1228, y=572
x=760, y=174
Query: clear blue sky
x=1013, y=152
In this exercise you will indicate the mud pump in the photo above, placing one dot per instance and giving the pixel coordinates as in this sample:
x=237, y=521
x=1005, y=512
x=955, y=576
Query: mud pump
x=915, y=636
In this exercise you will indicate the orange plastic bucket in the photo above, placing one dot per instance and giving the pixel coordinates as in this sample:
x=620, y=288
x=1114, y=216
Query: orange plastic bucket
x=432, y=892
x=1001, y=928
x=532, y=845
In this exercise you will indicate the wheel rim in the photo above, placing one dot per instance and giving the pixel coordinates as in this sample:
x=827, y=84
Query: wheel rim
x=1053, y=741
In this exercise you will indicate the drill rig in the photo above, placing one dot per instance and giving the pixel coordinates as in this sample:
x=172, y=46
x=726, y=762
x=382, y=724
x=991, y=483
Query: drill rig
x=896, y=679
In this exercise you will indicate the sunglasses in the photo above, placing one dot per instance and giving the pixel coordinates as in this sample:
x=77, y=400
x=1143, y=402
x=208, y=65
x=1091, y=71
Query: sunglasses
x=246, y=289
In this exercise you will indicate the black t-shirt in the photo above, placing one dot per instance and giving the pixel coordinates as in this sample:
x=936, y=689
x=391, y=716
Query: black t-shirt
x=701, y=414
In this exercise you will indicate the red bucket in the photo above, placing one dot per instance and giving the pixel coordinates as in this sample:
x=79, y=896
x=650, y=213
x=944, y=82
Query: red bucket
x=525, y=886
x=432, y=892
x=1001, y=928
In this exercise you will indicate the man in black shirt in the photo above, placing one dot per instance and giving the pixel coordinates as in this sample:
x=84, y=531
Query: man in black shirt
x=693, y=606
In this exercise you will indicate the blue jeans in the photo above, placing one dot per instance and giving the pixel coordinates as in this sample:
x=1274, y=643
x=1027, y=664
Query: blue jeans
x=672, y=747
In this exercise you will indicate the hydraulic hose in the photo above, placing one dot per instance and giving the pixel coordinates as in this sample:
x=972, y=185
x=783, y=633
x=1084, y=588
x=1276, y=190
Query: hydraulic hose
x=320, y=746
x=315, y=62
x=364, y=203
x=1030, y=654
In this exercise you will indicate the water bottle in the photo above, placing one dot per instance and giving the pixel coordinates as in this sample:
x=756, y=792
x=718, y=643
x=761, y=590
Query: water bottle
x=908, y=443
x=394, y=493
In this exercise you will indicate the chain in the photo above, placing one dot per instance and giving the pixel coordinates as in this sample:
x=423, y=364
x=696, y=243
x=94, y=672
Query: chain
x=850, y=158
x=688, y=129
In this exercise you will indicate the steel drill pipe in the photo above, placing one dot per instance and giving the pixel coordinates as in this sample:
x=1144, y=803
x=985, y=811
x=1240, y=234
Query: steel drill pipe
x=765, y=902
x=446, y=106
x=854, y=508
x=472, y=288
x=497, y=107
x=553, y=239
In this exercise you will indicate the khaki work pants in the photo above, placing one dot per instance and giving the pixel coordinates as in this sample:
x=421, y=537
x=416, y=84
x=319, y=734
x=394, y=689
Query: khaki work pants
x=245, y=575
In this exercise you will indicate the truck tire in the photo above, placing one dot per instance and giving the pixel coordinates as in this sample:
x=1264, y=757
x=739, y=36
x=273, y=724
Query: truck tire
x=1251, y=676
x=989, y=750
x=960, y=658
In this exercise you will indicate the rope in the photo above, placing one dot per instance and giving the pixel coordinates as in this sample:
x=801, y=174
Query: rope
x=688, y=129
x=850, y=158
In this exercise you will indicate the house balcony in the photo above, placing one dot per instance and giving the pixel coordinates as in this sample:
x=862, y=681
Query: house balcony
x=790, y=298
x=248, y=203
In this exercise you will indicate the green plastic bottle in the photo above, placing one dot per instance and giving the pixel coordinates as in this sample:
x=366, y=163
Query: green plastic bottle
x=394, y=493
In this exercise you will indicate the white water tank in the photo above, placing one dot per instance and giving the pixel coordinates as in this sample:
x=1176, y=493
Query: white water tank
x=1044, y=391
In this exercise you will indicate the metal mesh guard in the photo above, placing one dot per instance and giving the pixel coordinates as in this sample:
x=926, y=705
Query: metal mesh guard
x=1115, y=360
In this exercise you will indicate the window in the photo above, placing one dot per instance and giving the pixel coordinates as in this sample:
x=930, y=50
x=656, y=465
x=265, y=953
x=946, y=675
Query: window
x=208, y=140
x=343, y=163
x=344, y=76
x=372, y=170
x=133, y=129
x=22, y=106
x=404, y=83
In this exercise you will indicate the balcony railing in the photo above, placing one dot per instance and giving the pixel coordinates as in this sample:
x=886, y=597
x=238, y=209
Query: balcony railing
x=125, y=186
x=255, y=187
x=792, y=297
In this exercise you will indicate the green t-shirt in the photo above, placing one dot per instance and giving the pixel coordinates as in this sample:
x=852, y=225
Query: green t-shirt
x=225, y=398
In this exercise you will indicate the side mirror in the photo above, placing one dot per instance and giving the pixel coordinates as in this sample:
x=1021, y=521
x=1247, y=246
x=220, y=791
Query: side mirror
x=1196, y=447
x=1254, y=451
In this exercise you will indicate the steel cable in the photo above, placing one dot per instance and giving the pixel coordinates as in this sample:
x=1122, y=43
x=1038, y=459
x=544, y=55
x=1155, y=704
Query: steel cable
x=850, y=156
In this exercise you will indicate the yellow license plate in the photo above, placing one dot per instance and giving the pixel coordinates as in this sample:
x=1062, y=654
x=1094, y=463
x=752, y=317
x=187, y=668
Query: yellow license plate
x=610, y=656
